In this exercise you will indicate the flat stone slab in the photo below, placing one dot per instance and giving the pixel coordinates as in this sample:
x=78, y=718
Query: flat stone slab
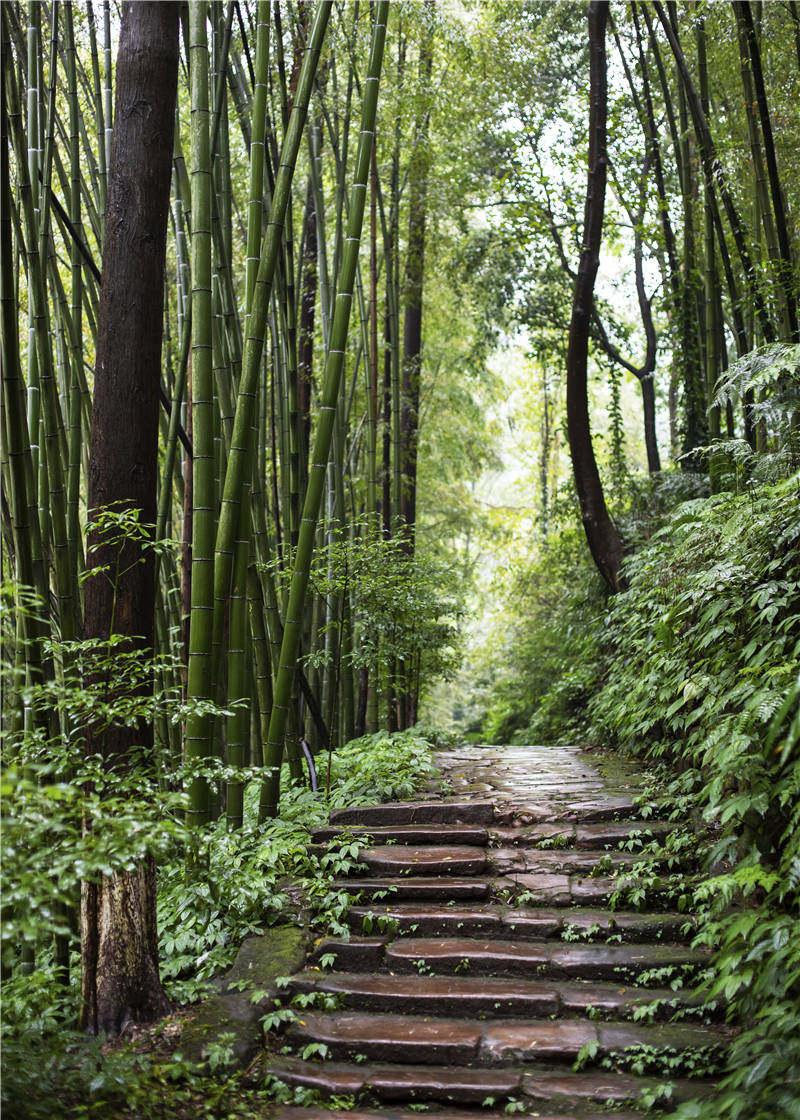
x=431, y=918
x=433, y=887
x=560, y=889
x=607, y=1088
x=428, y=918
x=558, y=1041
x=459, y=1041
x=399, y=1082
x=435, y=995
x=391, y=1037
x=357, y=954
x=398, y=859
x=417, y=812
x=515, y=958
x=569, y=834
x=487, y=997
x=290, y=1112
x=474, y=835
x=567, y=861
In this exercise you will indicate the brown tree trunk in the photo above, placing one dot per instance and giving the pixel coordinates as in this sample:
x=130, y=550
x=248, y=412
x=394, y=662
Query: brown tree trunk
x=601, y=532
x=118, y=913
x=649, y=410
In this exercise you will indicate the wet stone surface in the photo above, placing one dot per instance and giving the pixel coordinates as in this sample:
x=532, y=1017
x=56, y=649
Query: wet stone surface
x=490, y=957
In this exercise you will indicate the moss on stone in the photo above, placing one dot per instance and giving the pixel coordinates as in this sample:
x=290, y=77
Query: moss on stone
x=261, y=960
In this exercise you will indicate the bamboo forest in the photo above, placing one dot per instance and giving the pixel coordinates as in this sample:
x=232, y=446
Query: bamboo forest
x=400, y=634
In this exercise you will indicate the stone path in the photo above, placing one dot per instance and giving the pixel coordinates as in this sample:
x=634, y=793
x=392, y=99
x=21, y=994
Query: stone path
x=486, y=973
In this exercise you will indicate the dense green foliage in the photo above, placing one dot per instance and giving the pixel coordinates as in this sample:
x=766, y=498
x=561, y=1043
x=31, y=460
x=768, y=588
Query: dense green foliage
x=695, y=669
x=704, y=678
x=251, y=878
x=480, y=136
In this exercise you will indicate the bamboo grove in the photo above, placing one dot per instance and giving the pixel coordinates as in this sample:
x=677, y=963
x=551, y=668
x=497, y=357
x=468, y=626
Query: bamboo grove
x=287, y=398
x=319, y=151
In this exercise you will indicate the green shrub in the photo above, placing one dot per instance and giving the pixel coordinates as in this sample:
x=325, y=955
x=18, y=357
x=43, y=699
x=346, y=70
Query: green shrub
x=703, y=663
x=241, y=882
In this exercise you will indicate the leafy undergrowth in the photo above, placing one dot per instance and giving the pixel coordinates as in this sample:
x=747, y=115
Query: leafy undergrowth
x=244, y=881
x=264, y=875
x=695, y=669
x=709, y=688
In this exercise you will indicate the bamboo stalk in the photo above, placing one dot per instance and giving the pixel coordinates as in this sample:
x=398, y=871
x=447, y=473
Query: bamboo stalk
x=333, y=371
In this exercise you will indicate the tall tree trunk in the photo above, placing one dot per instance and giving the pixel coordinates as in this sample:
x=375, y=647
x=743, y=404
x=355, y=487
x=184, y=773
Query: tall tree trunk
x=601, y=533
x=787, y=277
x=118, y=913
x=713, y=171
x=308, y=300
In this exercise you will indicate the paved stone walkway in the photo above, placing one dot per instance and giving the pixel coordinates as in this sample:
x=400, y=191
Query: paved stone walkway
x=486, y=973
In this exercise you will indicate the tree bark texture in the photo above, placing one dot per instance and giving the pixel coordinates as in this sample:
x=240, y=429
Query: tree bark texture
x=120, y=955
x=601, y=533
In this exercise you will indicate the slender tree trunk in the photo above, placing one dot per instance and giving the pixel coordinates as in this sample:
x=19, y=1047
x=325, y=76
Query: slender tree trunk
x=308, y=300
x=713, y=170
x=787, y=277
x=119, y=945
x=601, y=533
x=412, y=299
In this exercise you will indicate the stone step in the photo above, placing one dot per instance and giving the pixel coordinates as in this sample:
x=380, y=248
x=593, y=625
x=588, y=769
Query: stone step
x=436, y=1041
x=576, y=924
x=586, y=811
x=465, y=1086
x=472, y=956
x=560, y=889
x=401, y=859
x=428, y=888
x=539, y=888
x=508, y=861
x=568, y=834
x=292, y=1112
x=570, y=1090
x=435, y=834
x=488, y=997
x=416, y=812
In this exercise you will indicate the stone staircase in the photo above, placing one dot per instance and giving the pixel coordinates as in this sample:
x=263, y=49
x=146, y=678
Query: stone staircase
x=486, y=974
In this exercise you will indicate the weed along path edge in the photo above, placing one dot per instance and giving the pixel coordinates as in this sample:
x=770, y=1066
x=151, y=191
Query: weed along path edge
x=493, y=964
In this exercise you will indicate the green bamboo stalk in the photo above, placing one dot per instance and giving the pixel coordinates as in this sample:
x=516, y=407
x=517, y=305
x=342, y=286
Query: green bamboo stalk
x=51, y=489
x=238, y=672
x=332, y=380
x=239, y=463
x=32, y=125
x=255, y=204
x=99, y=178
x=108, y=129
x=197, y=742
x=245, y=583
x=27, y=541
x=75, y=393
